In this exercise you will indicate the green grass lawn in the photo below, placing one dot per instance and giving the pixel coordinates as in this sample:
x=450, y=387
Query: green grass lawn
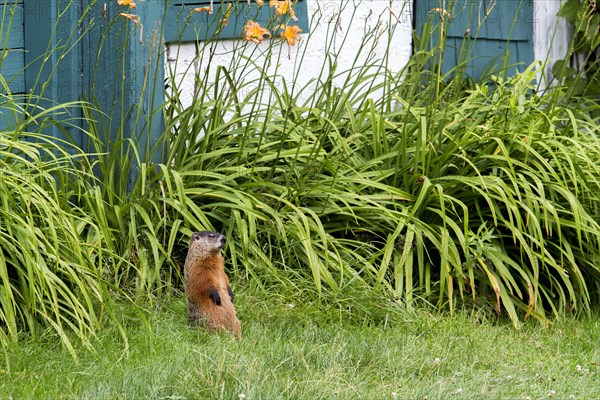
x=297, y=351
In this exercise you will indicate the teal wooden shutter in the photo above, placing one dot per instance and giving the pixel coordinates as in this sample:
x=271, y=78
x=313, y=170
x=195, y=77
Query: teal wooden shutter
x=12, y=54
x=507, y=31
x=66, y=51
x=53, y=62
x=123, y=73
x=182, y=24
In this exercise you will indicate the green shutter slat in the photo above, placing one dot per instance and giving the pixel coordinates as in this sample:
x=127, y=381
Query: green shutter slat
x=12, y=60
x=182, y=24
x=12, y=26
x=490, y=55
x=524, y=54
x=126, y=84
x=12, y=57
x=53, y=76
x=7, y=119
x=11, y=68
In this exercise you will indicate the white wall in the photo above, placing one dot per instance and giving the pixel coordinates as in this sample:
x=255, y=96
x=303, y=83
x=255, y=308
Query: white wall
x=331, y=21
x=551, y=35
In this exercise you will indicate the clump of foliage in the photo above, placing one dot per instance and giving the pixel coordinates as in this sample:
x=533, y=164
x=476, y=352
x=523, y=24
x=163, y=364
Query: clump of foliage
x=53, y=260
x=433, y=191
x=370, y=188
x=580, y=70
x=489, y=196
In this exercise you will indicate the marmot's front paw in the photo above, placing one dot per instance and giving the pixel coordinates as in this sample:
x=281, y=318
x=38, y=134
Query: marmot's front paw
x=214, y=295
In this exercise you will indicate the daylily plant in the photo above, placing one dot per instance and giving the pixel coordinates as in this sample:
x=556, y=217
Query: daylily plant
x=254, y=32
x=131, y=4
x=132, y=17
x=290, y=34
x=128, y=3
x=283, y=8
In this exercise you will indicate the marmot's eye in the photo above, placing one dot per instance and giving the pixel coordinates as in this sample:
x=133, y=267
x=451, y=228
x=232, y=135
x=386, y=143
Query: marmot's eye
x=211, y=235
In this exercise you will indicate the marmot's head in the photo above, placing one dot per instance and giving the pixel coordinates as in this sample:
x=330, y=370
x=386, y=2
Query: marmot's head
x=207, y=243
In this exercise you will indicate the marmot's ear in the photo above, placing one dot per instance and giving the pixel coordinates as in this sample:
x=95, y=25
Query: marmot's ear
x=230, y=293
x=214, y=295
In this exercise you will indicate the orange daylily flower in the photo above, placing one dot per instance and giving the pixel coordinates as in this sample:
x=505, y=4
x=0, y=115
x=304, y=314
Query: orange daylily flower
x=260, y=2
x=132, y=17
x=290, y=34
x=129, y=3
x=283, y=7
x=254, y=32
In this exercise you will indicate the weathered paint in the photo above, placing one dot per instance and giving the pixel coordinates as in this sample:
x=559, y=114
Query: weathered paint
x=490, y=33
x=54, y=77
x=12, y=44
x=12, y=56
x=11, y=14
x=551, y=35
x=123, y=72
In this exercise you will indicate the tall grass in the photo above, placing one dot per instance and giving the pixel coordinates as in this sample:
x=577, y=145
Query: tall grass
x=420, y=186
x=54, y=263
x=366, y=187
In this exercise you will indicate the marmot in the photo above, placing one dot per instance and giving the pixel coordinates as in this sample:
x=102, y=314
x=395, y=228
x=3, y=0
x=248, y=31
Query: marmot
x=210, y=299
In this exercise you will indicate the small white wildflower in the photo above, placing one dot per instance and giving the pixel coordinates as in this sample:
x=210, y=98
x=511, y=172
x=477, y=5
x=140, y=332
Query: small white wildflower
x=525, y=398
x=241, y=396
x=394, y=395
x=509, y=377
x=551, y=393
x=291, y=305
x=437, y=360
x=458, y=391
x=572, y=396
x=579, y=368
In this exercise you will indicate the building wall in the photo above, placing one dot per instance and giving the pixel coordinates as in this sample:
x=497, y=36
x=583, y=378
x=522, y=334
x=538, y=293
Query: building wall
x=551, y=35
x=331, y=22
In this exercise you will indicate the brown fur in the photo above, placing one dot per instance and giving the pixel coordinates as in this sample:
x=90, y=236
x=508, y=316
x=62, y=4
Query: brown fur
x=205, y=281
